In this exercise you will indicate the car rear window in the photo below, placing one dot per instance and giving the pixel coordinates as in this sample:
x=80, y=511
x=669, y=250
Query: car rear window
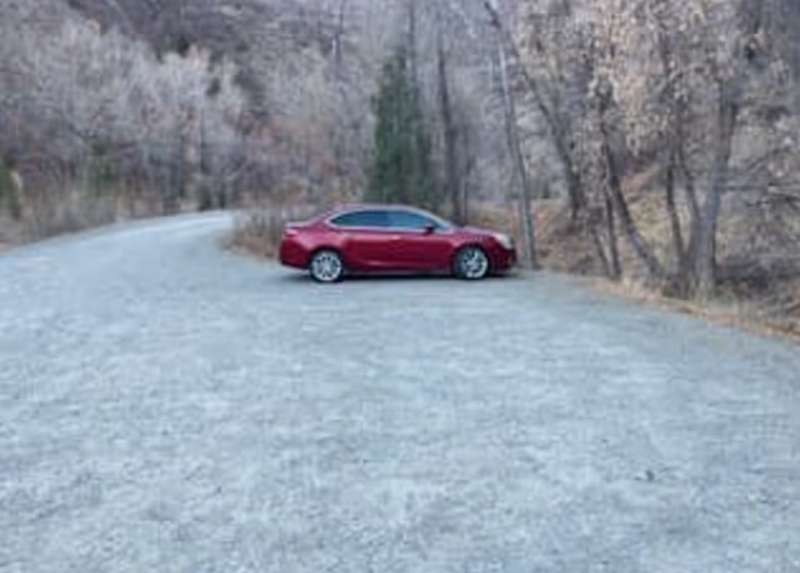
x=376, y=219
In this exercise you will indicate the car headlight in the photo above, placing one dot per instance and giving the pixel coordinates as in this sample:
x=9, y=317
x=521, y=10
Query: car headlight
x=506, y=241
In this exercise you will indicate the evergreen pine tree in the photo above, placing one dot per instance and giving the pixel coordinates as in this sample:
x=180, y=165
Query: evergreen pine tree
x=402, y=167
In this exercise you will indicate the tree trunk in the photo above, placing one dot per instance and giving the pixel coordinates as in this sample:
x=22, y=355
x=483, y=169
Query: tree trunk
x=176, y=188
x=575, y=191
x=16, y=192
x=512, y=134
x=613, y=240
x=705, y=255
x=466, y=178
x=337, y=38
x=601, y=251
x=412, y=43
x=452, y=179
x=632, y=233
x=678, y=245
x=695, y=216
x=676, y=146
x=205, y=200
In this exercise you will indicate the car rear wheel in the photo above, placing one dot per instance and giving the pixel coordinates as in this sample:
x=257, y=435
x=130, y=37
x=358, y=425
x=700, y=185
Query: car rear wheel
x=326, y=267
x=472, y=264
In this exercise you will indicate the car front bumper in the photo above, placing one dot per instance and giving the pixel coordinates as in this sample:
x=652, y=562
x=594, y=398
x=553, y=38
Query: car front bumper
x=503, y=259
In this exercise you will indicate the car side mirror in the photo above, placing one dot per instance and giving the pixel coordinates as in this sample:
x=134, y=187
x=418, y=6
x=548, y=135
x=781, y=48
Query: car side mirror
x=430, y=229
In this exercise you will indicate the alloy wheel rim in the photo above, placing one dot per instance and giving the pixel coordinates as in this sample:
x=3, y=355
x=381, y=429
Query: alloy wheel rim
x=327, y=267
x=474, y=264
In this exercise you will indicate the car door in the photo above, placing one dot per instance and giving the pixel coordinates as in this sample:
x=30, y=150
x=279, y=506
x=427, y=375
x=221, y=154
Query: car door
x=366, y=239
x=421, y=243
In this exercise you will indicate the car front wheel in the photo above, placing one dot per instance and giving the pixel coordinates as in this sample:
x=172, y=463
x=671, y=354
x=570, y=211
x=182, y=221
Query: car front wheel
x=472, y=264
x=326, y=267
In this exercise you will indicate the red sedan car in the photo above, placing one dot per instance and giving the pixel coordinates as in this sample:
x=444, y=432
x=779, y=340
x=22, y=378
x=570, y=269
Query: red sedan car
x=386, y=239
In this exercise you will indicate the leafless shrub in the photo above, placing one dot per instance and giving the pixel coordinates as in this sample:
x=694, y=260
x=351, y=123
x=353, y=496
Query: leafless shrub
x=259, y=231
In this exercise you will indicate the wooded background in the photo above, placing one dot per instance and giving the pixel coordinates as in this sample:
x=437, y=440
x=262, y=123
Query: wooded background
x=645, y=138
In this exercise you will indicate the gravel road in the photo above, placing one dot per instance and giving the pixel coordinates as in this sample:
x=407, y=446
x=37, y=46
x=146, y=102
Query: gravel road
x=169, y=406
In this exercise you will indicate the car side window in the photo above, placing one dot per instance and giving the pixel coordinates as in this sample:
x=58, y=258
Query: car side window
x=362, y=219
x=410, y=221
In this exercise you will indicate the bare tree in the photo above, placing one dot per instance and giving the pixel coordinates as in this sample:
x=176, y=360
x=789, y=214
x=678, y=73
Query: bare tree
x=451, y=134
x=515, y=148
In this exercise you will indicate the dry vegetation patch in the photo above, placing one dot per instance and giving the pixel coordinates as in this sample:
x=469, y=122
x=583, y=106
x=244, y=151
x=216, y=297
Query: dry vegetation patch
x=751, y=314
x=759, y=288
x=259, y=231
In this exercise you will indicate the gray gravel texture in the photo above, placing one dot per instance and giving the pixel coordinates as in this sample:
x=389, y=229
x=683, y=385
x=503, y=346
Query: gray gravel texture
x=169, y=406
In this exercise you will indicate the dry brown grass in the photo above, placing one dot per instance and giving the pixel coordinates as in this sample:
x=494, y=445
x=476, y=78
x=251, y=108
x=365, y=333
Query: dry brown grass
x=560, y=248
x=259, y=231
x=766, y=302
x=11, y=233
x=760, y=273
x=45, y=214
x=749, y=315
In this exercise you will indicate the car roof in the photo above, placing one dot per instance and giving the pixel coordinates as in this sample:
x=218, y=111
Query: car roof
x=353, y=207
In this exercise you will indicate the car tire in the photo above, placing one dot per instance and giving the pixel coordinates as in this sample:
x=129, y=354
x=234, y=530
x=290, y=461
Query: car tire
x=326, y=267
x=472, y=264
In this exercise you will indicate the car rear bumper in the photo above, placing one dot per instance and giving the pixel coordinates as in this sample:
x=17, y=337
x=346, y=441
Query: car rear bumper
x=293, y=254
